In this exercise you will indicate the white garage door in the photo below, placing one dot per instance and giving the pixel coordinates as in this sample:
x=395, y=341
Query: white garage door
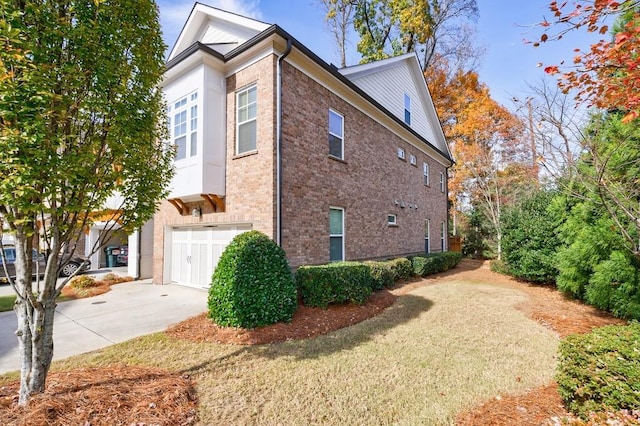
x=195, y=252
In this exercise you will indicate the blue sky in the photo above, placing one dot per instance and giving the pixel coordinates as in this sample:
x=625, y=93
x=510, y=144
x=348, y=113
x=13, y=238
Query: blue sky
x=507, y=66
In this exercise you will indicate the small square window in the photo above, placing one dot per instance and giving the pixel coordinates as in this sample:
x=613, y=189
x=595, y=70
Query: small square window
x=401, y=154
x=412, y=160
x=392, y=219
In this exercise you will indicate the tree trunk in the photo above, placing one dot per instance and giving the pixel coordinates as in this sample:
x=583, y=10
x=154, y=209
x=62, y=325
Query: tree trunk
x=35, y=314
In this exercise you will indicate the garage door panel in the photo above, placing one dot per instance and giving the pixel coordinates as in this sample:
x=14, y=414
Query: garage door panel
x=196, y=252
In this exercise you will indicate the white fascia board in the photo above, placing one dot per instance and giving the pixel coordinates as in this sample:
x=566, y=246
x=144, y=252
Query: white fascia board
x=202, y=14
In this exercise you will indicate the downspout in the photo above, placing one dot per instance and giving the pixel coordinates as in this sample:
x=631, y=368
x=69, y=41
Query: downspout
x=279, y=143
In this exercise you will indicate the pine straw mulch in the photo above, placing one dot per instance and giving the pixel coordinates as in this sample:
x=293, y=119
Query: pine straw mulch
x=98, y=287
x=117, y=395
x=140, y=396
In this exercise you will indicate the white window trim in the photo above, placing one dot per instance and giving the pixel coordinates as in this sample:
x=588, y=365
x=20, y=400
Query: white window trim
x=441, y=182
x=238, y=123
x=190, y=101
x=443, y=233
x=427, y=235
x=407, y=98
x=413, y=160
x=401, y=154
x=338, y=235
x=337, y=136
x=425, y=173
x=390, y=221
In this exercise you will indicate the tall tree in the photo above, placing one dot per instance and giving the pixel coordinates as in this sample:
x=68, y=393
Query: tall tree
x=492, y=157
x=81, y=115
x=339, y=18
x=434, y=29
x=608, y=74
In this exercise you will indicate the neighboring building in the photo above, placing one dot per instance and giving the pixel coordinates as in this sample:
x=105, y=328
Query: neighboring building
x=331, y=163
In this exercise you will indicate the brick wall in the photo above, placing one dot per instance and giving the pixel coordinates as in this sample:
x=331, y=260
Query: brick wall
x=365, y=184
x=250, y=179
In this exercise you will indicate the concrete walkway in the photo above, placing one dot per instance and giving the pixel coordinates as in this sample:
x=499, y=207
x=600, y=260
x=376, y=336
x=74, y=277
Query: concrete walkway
x=129, y=310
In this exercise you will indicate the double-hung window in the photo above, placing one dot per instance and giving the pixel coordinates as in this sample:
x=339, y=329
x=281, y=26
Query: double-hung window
x=425, y=173
x=246, y=113
x=336, y=234
x=443, y=233
x=441, y=182
x=427, y=236
x=184, y=126
x=336, y=135
x=407, y=109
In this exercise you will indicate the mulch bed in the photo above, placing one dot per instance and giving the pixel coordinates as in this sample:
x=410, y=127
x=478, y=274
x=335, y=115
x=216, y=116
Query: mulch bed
x=117, y=395
x=144, y=396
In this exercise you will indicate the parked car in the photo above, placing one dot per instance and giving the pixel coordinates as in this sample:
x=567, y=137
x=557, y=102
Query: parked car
x=40, y=262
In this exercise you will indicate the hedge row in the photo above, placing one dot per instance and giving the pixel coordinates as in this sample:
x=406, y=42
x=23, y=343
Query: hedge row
x=354, y=281
x=334, y=283
x=434, y=263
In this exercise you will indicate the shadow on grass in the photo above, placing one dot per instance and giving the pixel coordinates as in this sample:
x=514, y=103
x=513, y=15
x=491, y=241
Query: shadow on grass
x=405, y=309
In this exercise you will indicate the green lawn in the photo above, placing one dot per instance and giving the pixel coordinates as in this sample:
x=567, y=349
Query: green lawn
x=437, y=351
x=6, y=302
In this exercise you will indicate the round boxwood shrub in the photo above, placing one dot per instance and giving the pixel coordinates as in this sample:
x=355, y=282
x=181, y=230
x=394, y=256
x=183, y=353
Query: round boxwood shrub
x=252, y=285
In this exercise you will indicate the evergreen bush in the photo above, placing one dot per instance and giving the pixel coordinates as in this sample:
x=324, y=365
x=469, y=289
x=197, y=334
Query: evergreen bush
x=600, y=371
x=252, y=285
x=334, y=283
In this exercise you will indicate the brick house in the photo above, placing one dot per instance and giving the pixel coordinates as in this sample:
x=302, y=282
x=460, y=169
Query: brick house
x=331, y=163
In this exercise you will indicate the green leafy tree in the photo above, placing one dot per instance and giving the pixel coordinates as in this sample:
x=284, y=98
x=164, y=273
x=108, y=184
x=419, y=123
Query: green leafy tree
x=437, y=30
x=81, y=117
x=529, y=241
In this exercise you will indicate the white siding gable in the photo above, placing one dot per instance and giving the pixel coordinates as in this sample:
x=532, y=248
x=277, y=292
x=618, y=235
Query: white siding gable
x=222, y=31
x=388, y=81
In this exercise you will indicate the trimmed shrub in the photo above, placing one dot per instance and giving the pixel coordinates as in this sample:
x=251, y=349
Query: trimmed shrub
x=252, y=285
x=381, y=275
x=434, y=263
x=401, y=268
x=529, y=238
x=600, y=371
x=334, y=283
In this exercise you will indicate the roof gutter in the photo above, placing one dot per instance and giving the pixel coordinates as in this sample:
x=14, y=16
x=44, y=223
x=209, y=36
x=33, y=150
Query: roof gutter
x=279, y=142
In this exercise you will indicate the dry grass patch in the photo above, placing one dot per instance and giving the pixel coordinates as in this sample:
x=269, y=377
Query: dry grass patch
x=437, y=351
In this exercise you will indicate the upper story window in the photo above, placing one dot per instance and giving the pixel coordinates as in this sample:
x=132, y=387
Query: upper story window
x=425, y=173
x=407, y=109
x=336, y=135
x=441, y=182
x=412, y=160
x=183, y=117
x=401, y=154
x=246, y=113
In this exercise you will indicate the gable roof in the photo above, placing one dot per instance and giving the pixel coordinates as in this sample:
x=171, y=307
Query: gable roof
x=203, y=16
x=218, y=29
x=387, y=80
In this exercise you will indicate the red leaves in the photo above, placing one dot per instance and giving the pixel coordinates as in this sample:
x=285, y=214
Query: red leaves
x=552, y=70
x=608, y=74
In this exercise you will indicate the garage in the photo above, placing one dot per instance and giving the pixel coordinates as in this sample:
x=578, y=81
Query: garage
x=194, y=251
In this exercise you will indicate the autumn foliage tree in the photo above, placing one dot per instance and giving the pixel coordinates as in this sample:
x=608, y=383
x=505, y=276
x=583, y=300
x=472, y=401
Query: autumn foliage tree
x=81, y=117
x=608, y=74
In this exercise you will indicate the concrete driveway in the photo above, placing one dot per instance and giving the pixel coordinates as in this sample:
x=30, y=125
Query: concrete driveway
x=129, y=310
